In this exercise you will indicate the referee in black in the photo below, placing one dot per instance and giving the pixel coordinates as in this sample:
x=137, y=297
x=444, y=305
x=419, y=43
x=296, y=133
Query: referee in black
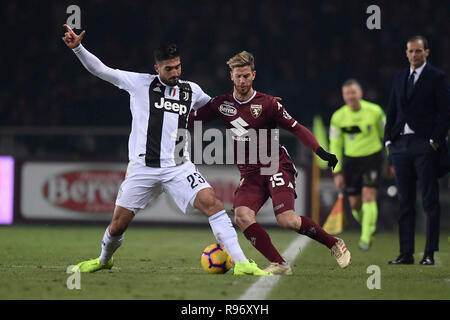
x=417, y=124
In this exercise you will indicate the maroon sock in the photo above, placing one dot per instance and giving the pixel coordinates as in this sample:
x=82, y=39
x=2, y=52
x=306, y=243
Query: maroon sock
x=261, y=241
x=311, y=229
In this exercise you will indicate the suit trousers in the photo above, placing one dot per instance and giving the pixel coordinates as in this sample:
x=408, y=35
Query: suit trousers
x=415, y=160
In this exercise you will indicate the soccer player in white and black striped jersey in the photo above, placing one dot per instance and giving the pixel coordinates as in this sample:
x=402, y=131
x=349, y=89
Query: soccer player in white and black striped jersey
x=160, y=105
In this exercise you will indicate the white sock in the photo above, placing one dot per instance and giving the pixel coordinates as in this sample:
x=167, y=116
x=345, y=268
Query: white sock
x=226, y=235
x=109, y=246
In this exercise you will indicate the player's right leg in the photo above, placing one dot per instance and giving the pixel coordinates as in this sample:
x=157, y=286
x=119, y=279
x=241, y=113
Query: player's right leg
x=136, y=191
x=260, y=239
x=112, y=240
x=250, y=196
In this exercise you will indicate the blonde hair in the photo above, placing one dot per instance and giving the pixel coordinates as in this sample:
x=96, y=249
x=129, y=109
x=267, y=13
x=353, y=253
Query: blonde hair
x=242, y=59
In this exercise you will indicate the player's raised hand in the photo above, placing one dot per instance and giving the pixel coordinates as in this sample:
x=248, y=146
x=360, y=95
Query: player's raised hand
x=71, y=39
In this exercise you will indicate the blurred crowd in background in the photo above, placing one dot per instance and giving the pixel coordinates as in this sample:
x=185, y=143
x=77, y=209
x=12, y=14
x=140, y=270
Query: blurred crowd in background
x=304, y=51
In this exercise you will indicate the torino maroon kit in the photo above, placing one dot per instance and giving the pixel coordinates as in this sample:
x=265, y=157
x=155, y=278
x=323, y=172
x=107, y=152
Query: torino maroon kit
x=261, y=111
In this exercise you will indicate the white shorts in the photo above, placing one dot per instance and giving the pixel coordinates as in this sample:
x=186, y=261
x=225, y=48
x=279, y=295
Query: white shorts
x=142, y=184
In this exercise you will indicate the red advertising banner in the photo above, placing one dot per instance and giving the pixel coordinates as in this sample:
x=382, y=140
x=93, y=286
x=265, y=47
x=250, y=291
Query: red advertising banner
x=86, y=191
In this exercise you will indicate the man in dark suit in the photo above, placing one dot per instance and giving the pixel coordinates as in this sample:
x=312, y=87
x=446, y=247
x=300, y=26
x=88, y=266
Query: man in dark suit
x=417, y=124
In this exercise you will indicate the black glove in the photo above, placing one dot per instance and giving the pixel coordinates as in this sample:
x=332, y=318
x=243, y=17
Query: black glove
x=328, y=157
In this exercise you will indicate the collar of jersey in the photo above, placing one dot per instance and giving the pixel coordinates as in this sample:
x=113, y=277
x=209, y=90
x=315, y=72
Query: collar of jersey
x=246, y=101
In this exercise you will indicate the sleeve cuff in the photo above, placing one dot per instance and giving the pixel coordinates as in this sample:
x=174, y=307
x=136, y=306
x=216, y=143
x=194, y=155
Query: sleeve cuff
x=78, y=49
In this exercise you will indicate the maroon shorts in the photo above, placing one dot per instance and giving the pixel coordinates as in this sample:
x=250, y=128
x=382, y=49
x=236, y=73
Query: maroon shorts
x=254, y=190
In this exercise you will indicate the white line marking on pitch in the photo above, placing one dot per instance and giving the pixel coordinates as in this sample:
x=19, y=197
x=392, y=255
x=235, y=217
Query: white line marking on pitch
x=261, y=288
x=32, y=266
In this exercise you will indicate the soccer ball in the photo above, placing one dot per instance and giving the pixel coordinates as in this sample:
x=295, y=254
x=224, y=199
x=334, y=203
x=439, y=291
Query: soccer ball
x=215, y=259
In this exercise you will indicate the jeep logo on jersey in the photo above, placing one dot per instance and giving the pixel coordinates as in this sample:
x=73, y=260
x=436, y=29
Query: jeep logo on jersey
x=90, y=191
x=255, y=110
x=172, y=106
x=227, y=109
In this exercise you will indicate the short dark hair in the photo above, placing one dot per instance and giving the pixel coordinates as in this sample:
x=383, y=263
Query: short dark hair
x=166, y=51
x=349, y=82
x=421, y=38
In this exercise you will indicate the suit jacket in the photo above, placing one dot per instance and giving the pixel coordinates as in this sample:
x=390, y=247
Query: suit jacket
x=427, y=111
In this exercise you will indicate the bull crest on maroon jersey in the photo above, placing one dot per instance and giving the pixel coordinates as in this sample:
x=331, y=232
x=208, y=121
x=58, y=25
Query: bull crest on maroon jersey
x=255, y=110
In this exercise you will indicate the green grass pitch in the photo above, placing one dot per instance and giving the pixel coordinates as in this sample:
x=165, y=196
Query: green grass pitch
x=161, y=263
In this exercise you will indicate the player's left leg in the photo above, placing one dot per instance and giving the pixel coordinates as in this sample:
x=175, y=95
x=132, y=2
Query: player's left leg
x=207, y=202
x=189, y=189
x=221, y=225
x=282, y=191
x=306, y=226
x=281, y=188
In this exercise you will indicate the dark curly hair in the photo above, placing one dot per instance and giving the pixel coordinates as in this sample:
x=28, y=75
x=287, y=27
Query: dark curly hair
x=166, y=51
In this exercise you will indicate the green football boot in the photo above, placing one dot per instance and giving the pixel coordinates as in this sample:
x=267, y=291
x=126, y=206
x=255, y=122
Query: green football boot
x=92, y=265
x=249, y=268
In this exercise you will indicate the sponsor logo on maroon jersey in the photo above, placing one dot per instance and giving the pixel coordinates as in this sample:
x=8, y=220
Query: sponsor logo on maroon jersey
x=92, y=191
x=227, y=109
x=255, y=110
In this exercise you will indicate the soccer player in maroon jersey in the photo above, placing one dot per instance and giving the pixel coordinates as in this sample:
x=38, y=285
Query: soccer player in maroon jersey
x=245, y=109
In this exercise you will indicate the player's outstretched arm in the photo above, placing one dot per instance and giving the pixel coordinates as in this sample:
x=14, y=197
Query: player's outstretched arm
x=89, y=61
x=308, y=139
x=285, y=121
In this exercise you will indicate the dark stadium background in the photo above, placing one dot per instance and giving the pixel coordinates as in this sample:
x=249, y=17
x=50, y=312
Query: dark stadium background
x=304, y=50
